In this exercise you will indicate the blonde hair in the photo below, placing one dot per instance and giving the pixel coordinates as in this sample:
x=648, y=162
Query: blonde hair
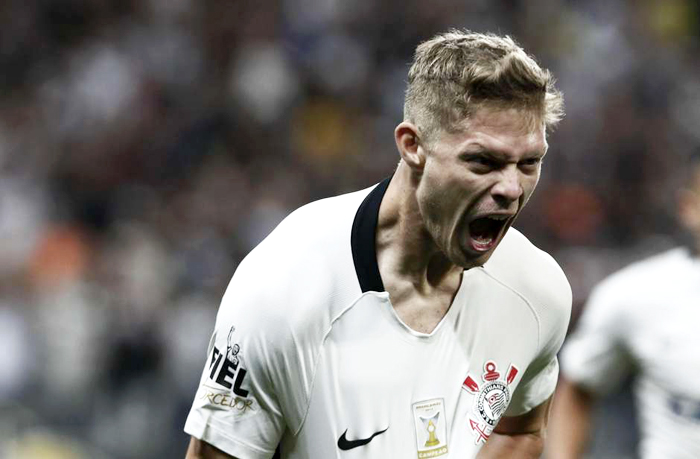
x=455, y=72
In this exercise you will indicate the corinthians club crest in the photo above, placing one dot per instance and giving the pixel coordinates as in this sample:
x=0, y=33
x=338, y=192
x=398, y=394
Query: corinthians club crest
x=492, y=398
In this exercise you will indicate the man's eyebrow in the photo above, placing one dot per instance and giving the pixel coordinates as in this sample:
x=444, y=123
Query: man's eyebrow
x=480, y=150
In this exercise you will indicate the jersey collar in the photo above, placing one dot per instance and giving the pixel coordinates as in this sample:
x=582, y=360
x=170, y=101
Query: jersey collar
x=364, y=230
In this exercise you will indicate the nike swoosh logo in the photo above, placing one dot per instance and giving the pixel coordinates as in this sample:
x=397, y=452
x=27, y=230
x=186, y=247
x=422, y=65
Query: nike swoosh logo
x=345, y=444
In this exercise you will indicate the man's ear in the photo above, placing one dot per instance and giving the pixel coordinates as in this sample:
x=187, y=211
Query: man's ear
x=409, y=145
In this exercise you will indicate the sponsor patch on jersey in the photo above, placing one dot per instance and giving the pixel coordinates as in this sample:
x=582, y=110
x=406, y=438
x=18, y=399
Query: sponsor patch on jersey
x=492, y=397
x=431, y=427
x=218, y=399
x=226, y=369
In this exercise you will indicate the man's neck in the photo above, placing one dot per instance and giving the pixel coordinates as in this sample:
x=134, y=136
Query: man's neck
x=405, y=250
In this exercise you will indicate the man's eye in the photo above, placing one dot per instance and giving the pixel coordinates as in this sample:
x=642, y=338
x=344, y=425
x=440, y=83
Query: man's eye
x=484, y=162
x=531, y=162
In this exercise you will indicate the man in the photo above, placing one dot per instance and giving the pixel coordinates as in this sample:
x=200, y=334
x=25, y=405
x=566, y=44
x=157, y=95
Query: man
x=643, y=319
x=386, y=323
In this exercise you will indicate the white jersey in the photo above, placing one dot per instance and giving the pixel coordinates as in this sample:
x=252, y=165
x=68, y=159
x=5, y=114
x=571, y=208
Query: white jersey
x=645, y=319
x=309, y=354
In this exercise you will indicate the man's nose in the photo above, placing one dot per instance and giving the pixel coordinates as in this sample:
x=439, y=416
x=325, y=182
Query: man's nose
x=508, y=188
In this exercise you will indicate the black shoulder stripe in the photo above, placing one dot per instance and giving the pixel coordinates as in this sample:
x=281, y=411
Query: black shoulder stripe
x=364, y=230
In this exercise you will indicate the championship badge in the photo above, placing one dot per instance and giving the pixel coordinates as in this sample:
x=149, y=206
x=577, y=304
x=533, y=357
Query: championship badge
x=431, y=428
x=492, y=399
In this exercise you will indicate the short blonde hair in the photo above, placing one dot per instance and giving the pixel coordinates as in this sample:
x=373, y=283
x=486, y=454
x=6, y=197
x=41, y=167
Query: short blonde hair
x=455, y=72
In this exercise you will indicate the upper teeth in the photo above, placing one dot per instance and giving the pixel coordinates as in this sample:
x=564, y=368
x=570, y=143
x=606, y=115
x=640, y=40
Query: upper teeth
x=497, y=217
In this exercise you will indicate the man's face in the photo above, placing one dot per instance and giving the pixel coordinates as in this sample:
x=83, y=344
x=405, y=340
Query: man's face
x=476, y=181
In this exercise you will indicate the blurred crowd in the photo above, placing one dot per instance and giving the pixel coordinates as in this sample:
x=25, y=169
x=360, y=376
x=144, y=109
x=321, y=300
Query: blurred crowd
x=147, y=145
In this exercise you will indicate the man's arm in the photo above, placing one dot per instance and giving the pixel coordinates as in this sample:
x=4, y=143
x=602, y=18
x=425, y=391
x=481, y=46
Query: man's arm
x=518, y=437
x=199, y=449
x=571, y=422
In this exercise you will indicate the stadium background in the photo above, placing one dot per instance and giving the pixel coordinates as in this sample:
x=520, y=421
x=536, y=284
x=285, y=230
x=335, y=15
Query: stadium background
x=147, y=145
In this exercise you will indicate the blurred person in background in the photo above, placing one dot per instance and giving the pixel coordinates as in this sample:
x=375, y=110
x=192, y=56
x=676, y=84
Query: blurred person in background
x=641, y=320
x=411, y=309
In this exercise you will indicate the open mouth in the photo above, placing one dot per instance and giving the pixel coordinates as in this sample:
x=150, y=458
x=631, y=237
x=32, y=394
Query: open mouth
x=484, y=231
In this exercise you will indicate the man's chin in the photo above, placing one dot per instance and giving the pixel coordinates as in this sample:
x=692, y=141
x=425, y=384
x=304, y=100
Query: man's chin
x=471, y=258
x=482, y=259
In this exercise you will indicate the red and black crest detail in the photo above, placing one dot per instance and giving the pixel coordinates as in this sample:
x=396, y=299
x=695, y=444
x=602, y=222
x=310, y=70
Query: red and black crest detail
x=492, y=398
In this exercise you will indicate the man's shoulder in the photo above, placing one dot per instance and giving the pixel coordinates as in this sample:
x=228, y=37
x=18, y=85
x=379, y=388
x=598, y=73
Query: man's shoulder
x=301, y=266
x=319, y=219
x=316, y=232
x=531, y=272
x=534, y=276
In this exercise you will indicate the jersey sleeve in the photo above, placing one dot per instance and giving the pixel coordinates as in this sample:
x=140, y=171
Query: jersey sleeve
x=237, y=406
x=553, y=311
x=595, y=355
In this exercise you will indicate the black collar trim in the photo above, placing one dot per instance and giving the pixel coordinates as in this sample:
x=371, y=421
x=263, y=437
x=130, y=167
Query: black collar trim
x=363, y=240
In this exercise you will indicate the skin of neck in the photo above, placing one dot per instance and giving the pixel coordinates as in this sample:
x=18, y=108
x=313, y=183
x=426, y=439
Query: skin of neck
x=405, y=249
